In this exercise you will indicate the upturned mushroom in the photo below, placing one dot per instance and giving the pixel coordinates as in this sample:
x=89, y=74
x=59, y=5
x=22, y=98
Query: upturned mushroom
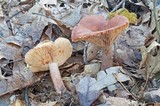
x=48, y=55
x=95, y=29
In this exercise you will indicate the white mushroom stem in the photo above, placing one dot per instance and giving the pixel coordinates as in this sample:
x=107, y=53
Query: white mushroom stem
x=56, y=77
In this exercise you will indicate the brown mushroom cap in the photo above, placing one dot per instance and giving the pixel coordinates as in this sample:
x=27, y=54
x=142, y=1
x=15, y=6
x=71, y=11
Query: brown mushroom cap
x=97, y=30
x=47, y=52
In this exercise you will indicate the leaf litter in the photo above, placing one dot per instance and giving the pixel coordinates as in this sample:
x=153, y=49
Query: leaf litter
x=134, y=74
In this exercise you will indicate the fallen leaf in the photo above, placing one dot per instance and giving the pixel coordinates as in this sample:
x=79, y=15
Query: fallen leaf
x=106, y=78
x=127, y=47
x=152, y=96
x=132, y=17
x=4, y=100
x=21, y=76
x=151, y=58
x=48, y=103
x=44, y=3
x=137, y=8
x=1, y=56
x=1, y=12
x=146, y=17
x=73, y=18
x=88, y=85
x=78, y=46
x=18, y=102
x=116, y=101
x=15, y=41
x=3, y=85
x=92, y=68
x=86, y=92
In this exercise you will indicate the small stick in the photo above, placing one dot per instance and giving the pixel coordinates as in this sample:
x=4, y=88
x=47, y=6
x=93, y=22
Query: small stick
x=6, y=9
x=85, y=53
x=148, y=76
x=117, y=6
x=115, y=76
x=26, y=97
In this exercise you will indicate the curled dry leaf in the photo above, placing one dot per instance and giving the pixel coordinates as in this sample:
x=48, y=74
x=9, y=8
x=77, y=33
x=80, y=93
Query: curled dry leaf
x=14, y=41
x=149, y=61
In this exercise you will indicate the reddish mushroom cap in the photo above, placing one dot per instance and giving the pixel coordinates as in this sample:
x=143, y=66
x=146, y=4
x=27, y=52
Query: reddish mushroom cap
x=97, y=30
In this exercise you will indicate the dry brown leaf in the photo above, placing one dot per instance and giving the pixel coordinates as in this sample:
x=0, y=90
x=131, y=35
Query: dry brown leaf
x=65, y=29
x=21, y=76
x=73, y=68
x=150, y=58
x=51, y=32
x=72, y=65
x=146, y=17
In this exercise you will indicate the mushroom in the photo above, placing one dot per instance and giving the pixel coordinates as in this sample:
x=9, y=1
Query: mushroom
x=48, y=55
x=95, y=29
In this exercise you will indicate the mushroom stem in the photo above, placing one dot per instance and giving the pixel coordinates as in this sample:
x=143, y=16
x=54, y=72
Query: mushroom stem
x=107, y=57
x=56, y=77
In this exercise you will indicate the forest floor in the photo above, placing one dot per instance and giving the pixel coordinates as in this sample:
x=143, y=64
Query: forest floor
x=126, y=74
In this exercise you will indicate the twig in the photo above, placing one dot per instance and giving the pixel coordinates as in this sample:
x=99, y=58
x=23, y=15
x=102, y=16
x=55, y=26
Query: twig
x=85, y=53
x=22, y=10
x=5, y=9
x=155, y=18
x=115, y=76
x=148, y=76
x=26, y=97
x=117, y=6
